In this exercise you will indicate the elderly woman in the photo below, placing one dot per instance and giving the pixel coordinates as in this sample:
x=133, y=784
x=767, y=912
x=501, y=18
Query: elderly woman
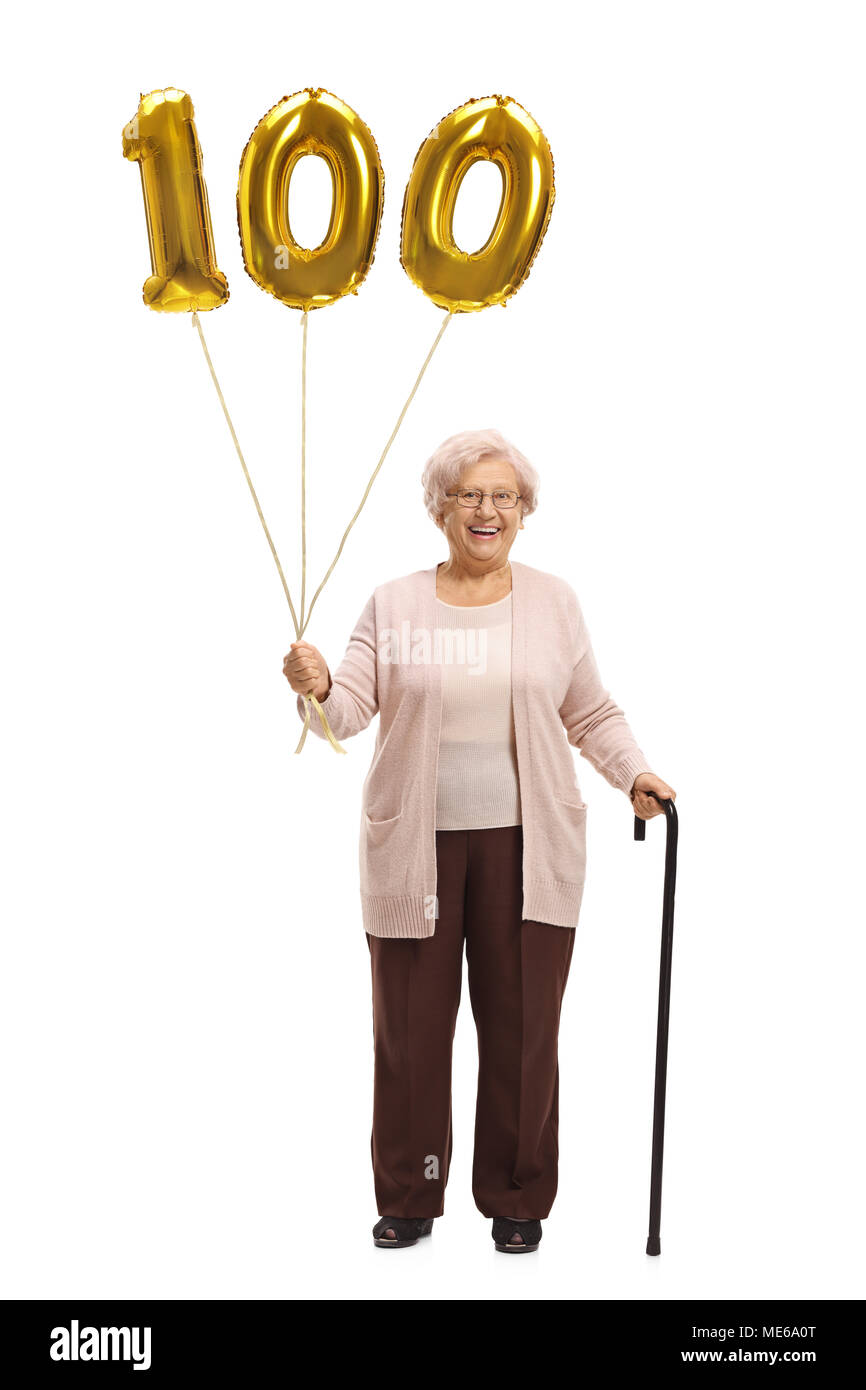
x=474, y=829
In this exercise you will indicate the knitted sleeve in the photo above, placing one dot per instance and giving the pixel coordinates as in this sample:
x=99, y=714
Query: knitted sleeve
x=353, y=698
x=594, y=723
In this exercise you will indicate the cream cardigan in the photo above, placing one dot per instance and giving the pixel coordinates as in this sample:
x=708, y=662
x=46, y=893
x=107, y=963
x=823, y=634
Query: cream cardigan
x=391, y=667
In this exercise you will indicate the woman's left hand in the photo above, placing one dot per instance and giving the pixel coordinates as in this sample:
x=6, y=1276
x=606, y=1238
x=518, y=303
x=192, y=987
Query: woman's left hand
x=645, y=805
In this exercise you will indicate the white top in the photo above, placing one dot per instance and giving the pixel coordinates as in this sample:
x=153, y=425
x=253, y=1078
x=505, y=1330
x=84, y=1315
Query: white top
x=477, y=783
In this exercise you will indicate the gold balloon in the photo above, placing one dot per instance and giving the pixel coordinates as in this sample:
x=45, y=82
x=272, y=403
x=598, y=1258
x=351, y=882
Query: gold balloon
x=310, y=122
x=162, y=139
x=495, y=128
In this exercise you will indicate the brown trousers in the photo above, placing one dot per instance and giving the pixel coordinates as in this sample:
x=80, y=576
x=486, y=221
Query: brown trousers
x=517, y=975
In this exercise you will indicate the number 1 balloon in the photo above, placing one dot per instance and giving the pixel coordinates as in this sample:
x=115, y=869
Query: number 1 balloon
x=162, y=139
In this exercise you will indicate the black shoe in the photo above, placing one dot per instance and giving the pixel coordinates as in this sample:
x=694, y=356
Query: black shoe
x=504, y=1229
x=406, y=1231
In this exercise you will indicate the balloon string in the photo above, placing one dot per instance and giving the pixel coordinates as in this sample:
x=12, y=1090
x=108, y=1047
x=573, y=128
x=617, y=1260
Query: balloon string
x=301, y=627
x=307, y=698
x=304, y=471
x=222, y=401
x=449, y=315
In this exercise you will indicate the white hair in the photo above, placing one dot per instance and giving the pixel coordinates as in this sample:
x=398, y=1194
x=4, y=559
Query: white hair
x=445, y=467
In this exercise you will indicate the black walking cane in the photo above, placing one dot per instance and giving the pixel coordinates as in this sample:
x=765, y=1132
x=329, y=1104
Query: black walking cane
x=653, y=1245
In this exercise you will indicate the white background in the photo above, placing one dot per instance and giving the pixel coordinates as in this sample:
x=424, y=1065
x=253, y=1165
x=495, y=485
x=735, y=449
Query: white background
x=185, y=1011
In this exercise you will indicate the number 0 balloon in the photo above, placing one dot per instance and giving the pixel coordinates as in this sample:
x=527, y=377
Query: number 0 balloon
x=312, y=122
x=495, y=128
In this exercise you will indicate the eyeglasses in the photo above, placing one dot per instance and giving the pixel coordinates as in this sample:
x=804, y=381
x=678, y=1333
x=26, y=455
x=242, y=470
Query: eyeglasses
x=502, y=498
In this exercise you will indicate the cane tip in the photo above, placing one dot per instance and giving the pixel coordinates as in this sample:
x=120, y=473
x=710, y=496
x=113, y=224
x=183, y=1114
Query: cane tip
x=654, y=1246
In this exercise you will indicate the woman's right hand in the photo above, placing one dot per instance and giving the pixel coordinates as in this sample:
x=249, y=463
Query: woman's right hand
x=306, y=670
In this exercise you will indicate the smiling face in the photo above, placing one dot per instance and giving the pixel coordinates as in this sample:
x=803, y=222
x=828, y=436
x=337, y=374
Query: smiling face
x=481, y=537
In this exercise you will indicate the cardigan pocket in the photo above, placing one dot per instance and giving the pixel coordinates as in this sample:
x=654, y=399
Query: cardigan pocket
x=566, y=840
x=383, y=857
x=373, y=825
